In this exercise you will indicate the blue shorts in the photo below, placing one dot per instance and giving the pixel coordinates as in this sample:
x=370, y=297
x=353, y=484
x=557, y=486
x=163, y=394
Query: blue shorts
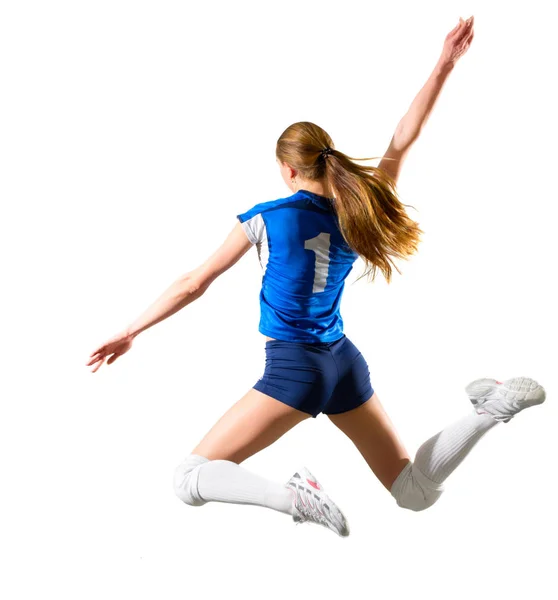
x=328, y=377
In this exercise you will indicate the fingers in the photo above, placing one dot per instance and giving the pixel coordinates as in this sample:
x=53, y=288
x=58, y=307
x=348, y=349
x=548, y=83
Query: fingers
x=98, y=351
x=94, y=357
x=454, y=30
x=463, y=46
x=99, y=360
x=462, y=28
x=98, y=366
x=466, y=28
x=115, y=347
x=459, y=42
x=113, y=358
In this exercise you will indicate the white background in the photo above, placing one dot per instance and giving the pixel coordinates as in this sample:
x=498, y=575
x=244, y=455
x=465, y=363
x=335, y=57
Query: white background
x=132, y=133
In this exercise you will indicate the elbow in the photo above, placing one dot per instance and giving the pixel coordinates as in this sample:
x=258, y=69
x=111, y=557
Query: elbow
x=403, y=141
x=189, y=285
x=405, y=136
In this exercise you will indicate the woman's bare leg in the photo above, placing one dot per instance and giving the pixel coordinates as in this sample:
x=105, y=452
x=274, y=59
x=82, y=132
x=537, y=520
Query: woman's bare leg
x=417, y=484
x=253, y=423
x=212, y=471
x=372, y=432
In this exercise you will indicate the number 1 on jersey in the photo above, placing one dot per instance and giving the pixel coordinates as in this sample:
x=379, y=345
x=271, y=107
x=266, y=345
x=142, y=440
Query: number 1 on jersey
x=320, y=246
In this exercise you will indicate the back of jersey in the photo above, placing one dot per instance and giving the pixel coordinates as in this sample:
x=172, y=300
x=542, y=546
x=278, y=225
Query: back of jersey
x=305, y=262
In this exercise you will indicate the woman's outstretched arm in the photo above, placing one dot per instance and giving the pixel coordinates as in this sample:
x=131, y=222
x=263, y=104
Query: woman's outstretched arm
x=456, y=44
x=193, y=284
x=181, y=292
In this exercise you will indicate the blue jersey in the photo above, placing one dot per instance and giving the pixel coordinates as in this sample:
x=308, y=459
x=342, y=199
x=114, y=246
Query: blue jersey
x=305, y=262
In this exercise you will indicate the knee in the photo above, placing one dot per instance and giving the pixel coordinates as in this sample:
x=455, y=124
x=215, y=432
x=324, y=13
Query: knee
x=186, y=480
x=414, y=491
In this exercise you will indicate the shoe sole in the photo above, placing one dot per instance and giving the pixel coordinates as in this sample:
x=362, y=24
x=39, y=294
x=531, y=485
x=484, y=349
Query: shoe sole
x=518, y=393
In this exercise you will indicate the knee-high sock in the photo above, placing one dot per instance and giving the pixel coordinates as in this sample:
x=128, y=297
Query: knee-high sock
x=199, y=480
x=438, y=457
x=421, y=483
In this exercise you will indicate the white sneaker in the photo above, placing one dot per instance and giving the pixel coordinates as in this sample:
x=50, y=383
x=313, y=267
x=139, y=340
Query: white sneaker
x=312, y=505
x=504, y=400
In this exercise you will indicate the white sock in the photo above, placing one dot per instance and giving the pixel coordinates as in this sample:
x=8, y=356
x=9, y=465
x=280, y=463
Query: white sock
x=225, y=481
x=441, y=454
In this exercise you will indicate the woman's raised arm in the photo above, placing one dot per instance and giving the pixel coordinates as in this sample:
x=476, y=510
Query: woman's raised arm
x=456, y=44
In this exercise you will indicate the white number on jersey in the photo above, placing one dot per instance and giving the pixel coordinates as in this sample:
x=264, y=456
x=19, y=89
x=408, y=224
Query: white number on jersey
x=320, y=245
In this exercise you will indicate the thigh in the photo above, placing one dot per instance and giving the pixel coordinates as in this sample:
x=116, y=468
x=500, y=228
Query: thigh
x=373, y=433
x=253, y=423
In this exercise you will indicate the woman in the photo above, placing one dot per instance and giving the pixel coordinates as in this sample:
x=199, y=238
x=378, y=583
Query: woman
x=307, y=244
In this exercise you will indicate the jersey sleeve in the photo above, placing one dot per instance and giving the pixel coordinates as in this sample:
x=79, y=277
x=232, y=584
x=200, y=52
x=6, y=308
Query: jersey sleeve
x=253, y=224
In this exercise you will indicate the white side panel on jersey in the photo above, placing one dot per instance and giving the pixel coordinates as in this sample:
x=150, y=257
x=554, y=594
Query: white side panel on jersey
x=254, y=228
x=263, y=250
x=257, y=234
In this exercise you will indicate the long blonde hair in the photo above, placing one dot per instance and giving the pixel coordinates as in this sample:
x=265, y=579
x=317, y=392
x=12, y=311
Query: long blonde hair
x=371, y=217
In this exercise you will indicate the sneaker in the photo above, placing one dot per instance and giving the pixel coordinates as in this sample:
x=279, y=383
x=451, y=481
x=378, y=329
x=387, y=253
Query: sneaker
x=504, y=400
x=312, y=505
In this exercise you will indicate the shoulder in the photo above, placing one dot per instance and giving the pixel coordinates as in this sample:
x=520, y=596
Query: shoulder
x=268, y=206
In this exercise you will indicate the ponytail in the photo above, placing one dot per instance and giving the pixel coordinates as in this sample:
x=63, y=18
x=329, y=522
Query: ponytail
x=371, y=217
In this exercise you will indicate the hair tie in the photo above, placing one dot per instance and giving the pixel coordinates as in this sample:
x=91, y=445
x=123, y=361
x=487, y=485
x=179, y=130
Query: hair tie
x=326, y=152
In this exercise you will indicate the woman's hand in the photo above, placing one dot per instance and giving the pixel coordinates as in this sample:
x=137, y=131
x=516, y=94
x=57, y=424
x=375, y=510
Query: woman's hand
x=113, y=348
x=458, y=41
